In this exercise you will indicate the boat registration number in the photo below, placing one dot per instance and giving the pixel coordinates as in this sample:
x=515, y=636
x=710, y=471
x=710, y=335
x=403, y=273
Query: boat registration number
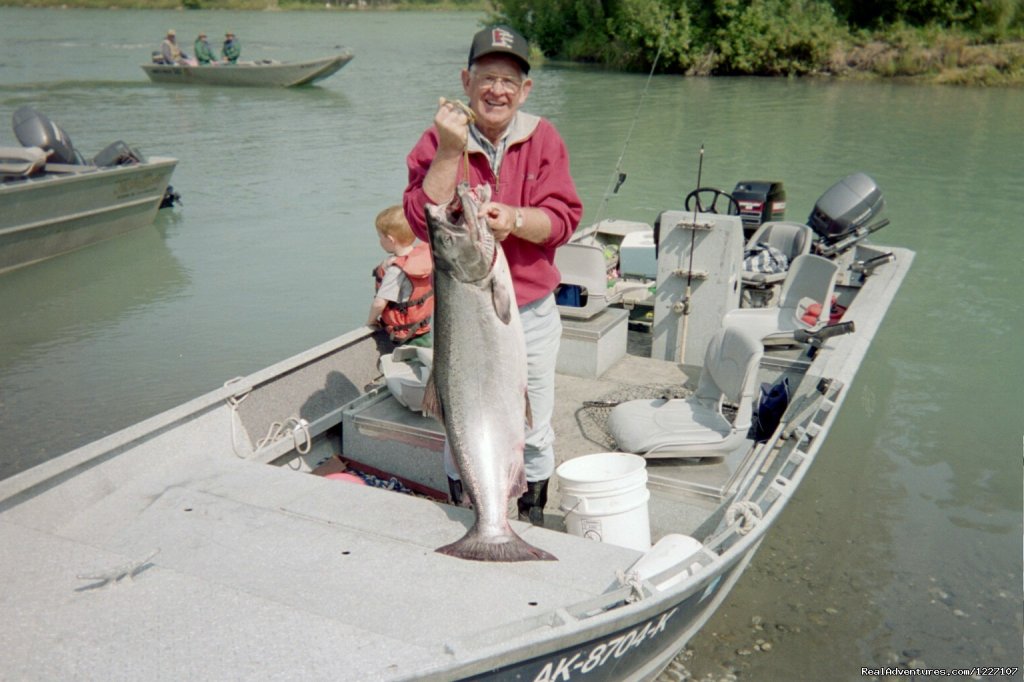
x=583, y=662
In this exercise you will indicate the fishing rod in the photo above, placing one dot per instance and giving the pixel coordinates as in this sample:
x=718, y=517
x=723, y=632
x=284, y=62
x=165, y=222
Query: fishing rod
x=619, y=176
x=685, y=320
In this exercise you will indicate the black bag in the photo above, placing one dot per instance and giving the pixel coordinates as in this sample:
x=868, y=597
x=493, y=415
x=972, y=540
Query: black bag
x=771, y=405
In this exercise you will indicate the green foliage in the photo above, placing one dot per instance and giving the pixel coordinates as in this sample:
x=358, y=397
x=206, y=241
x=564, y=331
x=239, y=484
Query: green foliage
x=777, y=37
x=990, y=18
x=685, y=36
x=766, y=37
x=642, y=31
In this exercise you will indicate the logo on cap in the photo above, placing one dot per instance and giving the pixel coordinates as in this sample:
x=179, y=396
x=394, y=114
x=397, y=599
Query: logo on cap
x=502, y=38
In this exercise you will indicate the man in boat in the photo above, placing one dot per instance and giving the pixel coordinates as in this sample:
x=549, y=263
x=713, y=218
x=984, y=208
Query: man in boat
x=204, y=53
x=231, y=49
x=404, y=298
x=534, y=209
x=170, y=51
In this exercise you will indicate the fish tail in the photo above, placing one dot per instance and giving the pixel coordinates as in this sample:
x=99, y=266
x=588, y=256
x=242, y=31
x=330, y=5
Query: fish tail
x=506, y=547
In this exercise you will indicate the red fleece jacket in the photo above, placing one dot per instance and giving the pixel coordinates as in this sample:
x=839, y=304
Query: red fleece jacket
x=534, y=173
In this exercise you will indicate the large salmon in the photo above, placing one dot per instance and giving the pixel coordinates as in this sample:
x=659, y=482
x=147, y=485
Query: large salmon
x=477, y=387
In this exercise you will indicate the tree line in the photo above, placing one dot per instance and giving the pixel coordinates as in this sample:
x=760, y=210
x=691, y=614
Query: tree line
x=764, y=37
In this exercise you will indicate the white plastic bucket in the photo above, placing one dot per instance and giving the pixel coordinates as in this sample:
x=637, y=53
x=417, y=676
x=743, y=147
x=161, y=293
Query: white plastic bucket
x=604, y=497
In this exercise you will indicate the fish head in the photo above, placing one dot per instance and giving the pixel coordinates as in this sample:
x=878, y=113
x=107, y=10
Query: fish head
x=460, y=241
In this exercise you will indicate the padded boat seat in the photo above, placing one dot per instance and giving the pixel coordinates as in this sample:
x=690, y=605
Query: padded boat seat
x=584, y=266
x=21, y=161
x=696, y=426
x=792, y=239
x=804, y=303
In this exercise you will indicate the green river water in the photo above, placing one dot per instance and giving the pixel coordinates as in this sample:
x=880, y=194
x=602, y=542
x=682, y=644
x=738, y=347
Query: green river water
x=903, y=547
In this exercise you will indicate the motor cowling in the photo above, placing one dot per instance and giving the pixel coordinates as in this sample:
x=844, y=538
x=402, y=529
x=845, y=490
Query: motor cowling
x=33, y=129
x=760, y=201
x=846, y=207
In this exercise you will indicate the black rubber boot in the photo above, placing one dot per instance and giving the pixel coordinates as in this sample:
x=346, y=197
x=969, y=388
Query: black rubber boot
x=455, y=490
x=531, y=504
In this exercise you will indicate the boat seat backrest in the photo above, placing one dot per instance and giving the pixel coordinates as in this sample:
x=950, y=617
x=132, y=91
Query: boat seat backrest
x=730, y=366
x=809, y=277
x=696, y=426
x=584, y=265
x=792, y=239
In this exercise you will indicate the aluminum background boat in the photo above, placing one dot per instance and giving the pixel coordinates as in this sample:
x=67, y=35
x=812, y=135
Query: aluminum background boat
x=260, y=73
x=71, y=206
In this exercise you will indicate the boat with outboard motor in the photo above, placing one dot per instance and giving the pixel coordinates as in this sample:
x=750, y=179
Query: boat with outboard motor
x=52, y=200
x=264, y=72
x=213, y=538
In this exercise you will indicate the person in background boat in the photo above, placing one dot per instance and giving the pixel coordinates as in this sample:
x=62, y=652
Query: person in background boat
x=204, y=53
x=404, y=297
x=231, y=49
x=534, y=209
x=170, y=51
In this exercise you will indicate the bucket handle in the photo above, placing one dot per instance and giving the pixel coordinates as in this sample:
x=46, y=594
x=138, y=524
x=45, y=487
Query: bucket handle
x=579, y=501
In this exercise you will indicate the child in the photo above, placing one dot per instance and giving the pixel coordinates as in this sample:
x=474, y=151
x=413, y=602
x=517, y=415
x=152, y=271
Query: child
x=404, y=299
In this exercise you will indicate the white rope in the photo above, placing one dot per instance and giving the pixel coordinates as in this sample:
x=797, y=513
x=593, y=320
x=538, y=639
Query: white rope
x=743, y=515
x=233, y=402
x=632, y=581
x=299, y=428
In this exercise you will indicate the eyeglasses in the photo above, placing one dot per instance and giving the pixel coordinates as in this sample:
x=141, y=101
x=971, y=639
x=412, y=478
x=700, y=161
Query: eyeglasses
x=491, y=81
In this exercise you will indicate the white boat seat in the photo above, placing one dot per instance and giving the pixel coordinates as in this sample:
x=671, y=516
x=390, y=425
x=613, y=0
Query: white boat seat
x=584, y=266
x=792, y=239
x=696, y=426
x=406, y=372
x=808, y=287
x=21, y=161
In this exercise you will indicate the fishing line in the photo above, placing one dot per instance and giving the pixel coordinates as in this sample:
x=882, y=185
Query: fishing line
x=619, y=177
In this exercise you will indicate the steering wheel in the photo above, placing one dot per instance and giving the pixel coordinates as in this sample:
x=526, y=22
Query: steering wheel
x=707, y=201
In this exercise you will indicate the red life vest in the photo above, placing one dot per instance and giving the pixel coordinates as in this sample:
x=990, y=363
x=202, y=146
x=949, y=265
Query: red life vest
x=411, y=318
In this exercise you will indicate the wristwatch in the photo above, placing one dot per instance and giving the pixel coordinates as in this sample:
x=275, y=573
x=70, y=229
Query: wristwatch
x=519, y=221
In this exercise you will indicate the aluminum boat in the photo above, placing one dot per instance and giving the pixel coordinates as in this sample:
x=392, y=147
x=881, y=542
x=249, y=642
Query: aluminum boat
x=216, y=541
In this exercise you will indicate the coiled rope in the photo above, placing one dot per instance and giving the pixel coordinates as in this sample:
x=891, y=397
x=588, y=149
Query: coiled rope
x=633, y=582
x=743, y=516
x=298, y=427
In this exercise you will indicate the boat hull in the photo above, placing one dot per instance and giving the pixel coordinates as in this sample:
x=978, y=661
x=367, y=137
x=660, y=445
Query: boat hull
x=260, y=74
x=48, y=215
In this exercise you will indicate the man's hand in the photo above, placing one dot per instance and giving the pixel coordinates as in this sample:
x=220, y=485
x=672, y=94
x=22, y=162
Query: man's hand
x=452, y=122
x=501, y=218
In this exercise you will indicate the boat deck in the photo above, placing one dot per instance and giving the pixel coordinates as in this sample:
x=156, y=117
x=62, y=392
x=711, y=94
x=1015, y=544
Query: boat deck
x=251, y=550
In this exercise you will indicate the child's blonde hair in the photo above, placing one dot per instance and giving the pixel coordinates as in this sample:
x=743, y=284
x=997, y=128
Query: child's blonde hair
x=391, y=222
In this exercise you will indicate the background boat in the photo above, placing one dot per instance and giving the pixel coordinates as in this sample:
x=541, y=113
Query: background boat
x=254, y=73
x=48, y=208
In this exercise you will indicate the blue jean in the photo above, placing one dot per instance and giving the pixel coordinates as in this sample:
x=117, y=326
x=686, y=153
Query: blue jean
x=542, y=328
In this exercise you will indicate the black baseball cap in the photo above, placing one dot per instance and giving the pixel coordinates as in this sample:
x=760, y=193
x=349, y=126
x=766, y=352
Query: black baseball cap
x=501, y=40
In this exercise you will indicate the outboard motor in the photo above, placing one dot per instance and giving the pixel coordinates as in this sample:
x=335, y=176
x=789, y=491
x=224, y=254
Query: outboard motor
x=118, y=154
x=760, y=201
x=841, y=215
x=846, y=207
x=33, y=129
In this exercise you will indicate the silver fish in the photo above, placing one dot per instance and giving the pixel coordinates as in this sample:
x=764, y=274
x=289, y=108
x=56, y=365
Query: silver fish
x=477, y=387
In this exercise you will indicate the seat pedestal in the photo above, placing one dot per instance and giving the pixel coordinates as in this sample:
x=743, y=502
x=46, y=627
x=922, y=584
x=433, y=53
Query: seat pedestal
x=590, y=347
